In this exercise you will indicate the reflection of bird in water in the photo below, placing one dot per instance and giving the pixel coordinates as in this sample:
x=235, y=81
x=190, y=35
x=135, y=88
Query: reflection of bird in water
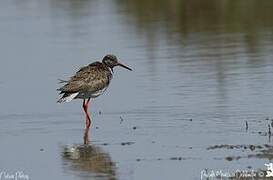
x=89, y=82
x=89, y=158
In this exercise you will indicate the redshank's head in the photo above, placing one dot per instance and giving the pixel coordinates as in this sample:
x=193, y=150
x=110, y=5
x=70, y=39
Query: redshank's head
x=111, y=61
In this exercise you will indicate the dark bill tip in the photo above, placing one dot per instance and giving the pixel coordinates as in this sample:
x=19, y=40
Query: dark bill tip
x=126, y=67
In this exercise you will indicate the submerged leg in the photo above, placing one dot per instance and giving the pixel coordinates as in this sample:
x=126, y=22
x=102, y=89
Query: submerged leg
x=85, y=136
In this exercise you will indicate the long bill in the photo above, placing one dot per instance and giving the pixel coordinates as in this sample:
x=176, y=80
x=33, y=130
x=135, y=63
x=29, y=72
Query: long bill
x=126, y=67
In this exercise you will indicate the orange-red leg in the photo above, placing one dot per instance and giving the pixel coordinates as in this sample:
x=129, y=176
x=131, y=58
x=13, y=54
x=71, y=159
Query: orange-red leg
x=85, y=108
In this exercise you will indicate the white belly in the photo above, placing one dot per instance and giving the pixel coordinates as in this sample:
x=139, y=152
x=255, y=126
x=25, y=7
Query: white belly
x=86, y=95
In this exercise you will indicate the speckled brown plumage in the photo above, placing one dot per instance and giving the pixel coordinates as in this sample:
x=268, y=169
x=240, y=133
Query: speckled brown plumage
x=89, y=82
x=89, y=79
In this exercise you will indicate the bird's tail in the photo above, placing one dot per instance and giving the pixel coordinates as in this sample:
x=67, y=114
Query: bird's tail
x=67, y=97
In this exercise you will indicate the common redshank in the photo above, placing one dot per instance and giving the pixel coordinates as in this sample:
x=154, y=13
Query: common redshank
x=89, y=82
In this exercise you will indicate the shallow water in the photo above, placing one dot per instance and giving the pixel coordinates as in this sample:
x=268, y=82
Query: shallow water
x=201, y=70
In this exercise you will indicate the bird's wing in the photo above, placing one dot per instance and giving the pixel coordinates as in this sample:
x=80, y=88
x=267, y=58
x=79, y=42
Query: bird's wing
x=101, y=79
x=88, y=78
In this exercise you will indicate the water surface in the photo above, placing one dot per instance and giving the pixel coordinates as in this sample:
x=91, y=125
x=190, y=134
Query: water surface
x=201, y=70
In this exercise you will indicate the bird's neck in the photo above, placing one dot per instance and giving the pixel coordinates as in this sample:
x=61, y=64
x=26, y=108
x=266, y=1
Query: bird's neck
x=108, y=67
x=111, y=70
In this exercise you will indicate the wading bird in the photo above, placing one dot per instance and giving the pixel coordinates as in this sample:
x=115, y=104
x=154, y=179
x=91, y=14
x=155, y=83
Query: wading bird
x=89, y=82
